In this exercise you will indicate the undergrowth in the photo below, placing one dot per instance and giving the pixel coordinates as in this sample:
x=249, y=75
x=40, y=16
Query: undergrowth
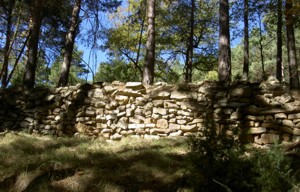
x=224, y=164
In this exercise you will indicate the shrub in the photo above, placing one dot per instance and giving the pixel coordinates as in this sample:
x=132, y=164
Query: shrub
x=223, y=164
x=211, y=75
x=274, y=170
x=219, y=159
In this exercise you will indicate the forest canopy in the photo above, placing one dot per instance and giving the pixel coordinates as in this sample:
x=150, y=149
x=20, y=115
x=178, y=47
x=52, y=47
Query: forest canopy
x=43, y=42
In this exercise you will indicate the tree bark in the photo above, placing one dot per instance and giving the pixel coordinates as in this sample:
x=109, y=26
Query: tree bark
x=190, y=48
x=279, y=72
x=246, y=41
x=69, y=45
x=35, y=25
x=224, y=72
x=291, y=46
x=148, y=73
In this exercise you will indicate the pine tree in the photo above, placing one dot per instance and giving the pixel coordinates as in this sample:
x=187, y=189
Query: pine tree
x=35, y=26
x=224, y=72
x=291, y=46
x=148, y=73
x=69, y=45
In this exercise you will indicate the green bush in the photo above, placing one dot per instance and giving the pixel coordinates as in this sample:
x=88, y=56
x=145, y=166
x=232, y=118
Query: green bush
x=211, y=76
x=223, y=164
x=219, y=160
x=273, y=169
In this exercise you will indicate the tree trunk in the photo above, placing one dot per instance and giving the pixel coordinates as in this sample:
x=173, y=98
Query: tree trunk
x=4, y=71
x=261, y=47
x=35, y=25
x=148, y=73
x=136, y=64
x=190, y=48
x=69, y=45
x=224, y=72
x=292, y=59
x=279, y=71
x=18, y=58
x=246, y=41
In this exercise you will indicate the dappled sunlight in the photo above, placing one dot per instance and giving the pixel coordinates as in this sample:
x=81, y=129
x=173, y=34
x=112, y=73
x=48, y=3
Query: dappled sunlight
x=24, y=142
x=75, y=164
x=150, y=173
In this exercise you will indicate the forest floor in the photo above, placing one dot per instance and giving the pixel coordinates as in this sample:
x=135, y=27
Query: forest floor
x=35, y=163
x=43, y=163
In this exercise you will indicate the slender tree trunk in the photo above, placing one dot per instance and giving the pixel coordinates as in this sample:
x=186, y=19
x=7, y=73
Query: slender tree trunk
x=190, y=49
x=261, y=48
x=69, y=45
x=4, y=70
x=35, y=25
x=18, y=58
x=139, y=49
x=292, y=58
x=246, y=41
x=224, y=72
x=148, y=73
x=13, y=39
x=279, y=72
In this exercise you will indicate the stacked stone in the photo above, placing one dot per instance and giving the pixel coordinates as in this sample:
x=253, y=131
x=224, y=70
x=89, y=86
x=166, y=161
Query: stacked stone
x=261, y=113
x=120, y=110
x=11, y=105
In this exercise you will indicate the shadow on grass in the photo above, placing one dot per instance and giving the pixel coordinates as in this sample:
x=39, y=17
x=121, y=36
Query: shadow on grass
x=68, y=164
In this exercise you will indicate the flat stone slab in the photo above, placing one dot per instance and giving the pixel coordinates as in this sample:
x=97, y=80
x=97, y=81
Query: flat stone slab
x=134, y=85
x=256, y=130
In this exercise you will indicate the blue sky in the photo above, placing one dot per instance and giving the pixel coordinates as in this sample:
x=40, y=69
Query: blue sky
x=95, y=57
x=91, y=56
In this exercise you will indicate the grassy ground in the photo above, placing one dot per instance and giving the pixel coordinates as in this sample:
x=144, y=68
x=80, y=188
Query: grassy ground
x=45, y=164
x=35, y=163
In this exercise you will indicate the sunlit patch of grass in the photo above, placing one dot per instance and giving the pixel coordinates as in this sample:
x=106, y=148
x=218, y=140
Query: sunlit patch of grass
x=108, y=187
x=80, y=164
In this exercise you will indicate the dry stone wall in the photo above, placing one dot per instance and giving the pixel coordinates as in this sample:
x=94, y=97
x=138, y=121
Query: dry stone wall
x=262, y=113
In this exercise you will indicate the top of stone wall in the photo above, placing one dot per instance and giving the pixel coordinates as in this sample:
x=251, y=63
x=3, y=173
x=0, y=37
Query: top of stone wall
x=269, y=93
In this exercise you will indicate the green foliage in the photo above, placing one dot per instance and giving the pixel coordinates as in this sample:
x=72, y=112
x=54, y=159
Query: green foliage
x=56, y=16
x=127, y=36
x=42, y=72
x=123, y=36
x=168, y=72
x=48, y=76
x=78, y=70
x=116, y=70
x=224, y=164
x=256, y=65
x=17, y=78
x=219, y=159
x=211, y=75
x=273, y=170
x=267, y=11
